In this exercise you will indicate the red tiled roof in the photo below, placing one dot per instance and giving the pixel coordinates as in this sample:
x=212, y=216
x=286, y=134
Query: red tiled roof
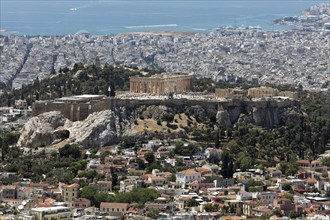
x=303, y=161
x=310, y=180
x=189, y=172
x=114, y=204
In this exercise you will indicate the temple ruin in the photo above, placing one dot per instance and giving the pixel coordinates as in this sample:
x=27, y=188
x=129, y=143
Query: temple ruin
x=160, y=84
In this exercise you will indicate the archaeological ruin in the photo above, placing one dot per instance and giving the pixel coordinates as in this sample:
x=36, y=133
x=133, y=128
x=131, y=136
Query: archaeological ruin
x=255, y=93
x=160, y=84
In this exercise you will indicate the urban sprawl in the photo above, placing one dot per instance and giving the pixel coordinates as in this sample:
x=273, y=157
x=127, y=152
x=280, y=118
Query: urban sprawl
x=169, y=178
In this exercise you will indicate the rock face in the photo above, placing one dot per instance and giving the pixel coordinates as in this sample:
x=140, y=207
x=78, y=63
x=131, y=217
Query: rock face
x=41, y=130
x=100, y=128
x=267, y=114
x=110, y=126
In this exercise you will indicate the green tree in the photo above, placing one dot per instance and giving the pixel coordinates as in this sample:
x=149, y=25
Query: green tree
x=102, y=197
x=286, y=187
x=289, y=168
x=140, y=163
x=172, y=178
x=214, y=159
x=89, y=192
x=326, y=161
x=211, y=208
x=192, y=203
x=288, y=196
x=152, y=213
x=150, y=157
x=233, y=147
x=70, y=151
x=244, y=162
x=227, y=168
x=7, y=138
x=139, y=196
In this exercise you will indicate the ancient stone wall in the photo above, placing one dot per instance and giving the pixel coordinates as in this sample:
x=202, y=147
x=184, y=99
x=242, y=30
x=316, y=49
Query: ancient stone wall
x=230, y=93
x=262, y=92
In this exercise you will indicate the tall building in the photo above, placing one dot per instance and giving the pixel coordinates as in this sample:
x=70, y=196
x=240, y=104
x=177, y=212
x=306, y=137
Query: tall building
x=70, y=193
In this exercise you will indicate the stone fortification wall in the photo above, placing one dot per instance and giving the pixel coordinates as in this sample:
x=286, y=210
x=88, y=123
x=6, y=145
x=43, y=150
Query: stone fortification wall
x=75, y=111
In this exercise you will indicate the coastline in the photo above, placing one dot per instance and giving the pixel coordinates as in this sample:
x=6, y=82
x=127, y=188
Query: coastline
x=103, y=18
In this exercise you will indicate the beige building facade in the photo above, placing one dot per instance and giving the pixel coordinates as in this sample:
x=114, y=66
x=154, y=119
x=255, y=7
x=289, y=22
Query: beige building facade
x=113, y=208
x=70, y=193
x=104, y=186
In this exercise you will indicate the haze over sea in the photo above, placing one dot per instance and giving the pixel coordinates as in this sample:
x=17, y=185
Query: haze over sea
x=50, y=17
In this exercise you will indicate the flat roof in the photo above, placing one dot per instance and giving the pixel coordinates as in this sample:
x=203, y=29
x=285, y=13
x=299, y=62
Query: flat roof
x=80, y=97
x=55, y=208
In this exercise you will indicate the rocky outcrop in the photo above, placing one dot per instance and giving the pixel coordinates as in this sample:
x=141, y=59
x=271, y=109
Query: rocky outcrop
x=223, y=119
x=265, y=113
x=100, y=128
x=110, y=126
x=41, y=130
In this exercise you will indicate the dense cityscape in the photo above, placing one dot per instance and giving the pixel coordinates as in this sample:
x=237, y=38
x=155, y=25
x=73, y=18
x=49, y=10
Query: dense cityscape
x=229, y=124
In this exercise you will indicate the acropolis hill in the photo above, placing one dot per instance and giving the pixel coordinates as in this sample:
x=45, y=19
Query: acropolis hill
x=265, y=104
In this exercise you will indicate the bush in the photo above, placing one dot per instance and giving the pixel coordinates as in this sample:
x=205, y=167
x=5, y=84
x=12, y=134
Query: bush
x=70, y=151
x=168, y=117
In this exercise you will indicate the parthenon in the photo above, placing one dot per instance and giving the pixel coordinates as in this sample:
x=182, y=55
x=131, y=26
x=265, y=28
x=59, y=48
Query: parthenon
x=160, y=84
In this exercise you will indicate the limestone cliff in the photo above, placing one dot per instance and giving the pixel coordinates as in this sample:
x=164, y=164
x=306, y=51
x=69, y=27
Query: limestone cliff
x=41, y=130
x=110, y=126
x=100, y=128
x=265, y=113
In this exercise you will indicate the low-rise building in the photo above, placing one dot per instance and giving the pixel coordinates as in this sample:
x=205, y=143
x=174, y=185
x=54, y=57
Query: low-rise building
x=104, y=186
x=187, y=176
x=82, y=203
x=9, y=192
x=114, y=209
x=52, y=213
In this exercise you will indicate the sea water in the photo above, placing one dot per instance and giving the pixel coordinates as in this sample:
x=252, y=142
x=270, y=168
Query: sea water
x=101, y=17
